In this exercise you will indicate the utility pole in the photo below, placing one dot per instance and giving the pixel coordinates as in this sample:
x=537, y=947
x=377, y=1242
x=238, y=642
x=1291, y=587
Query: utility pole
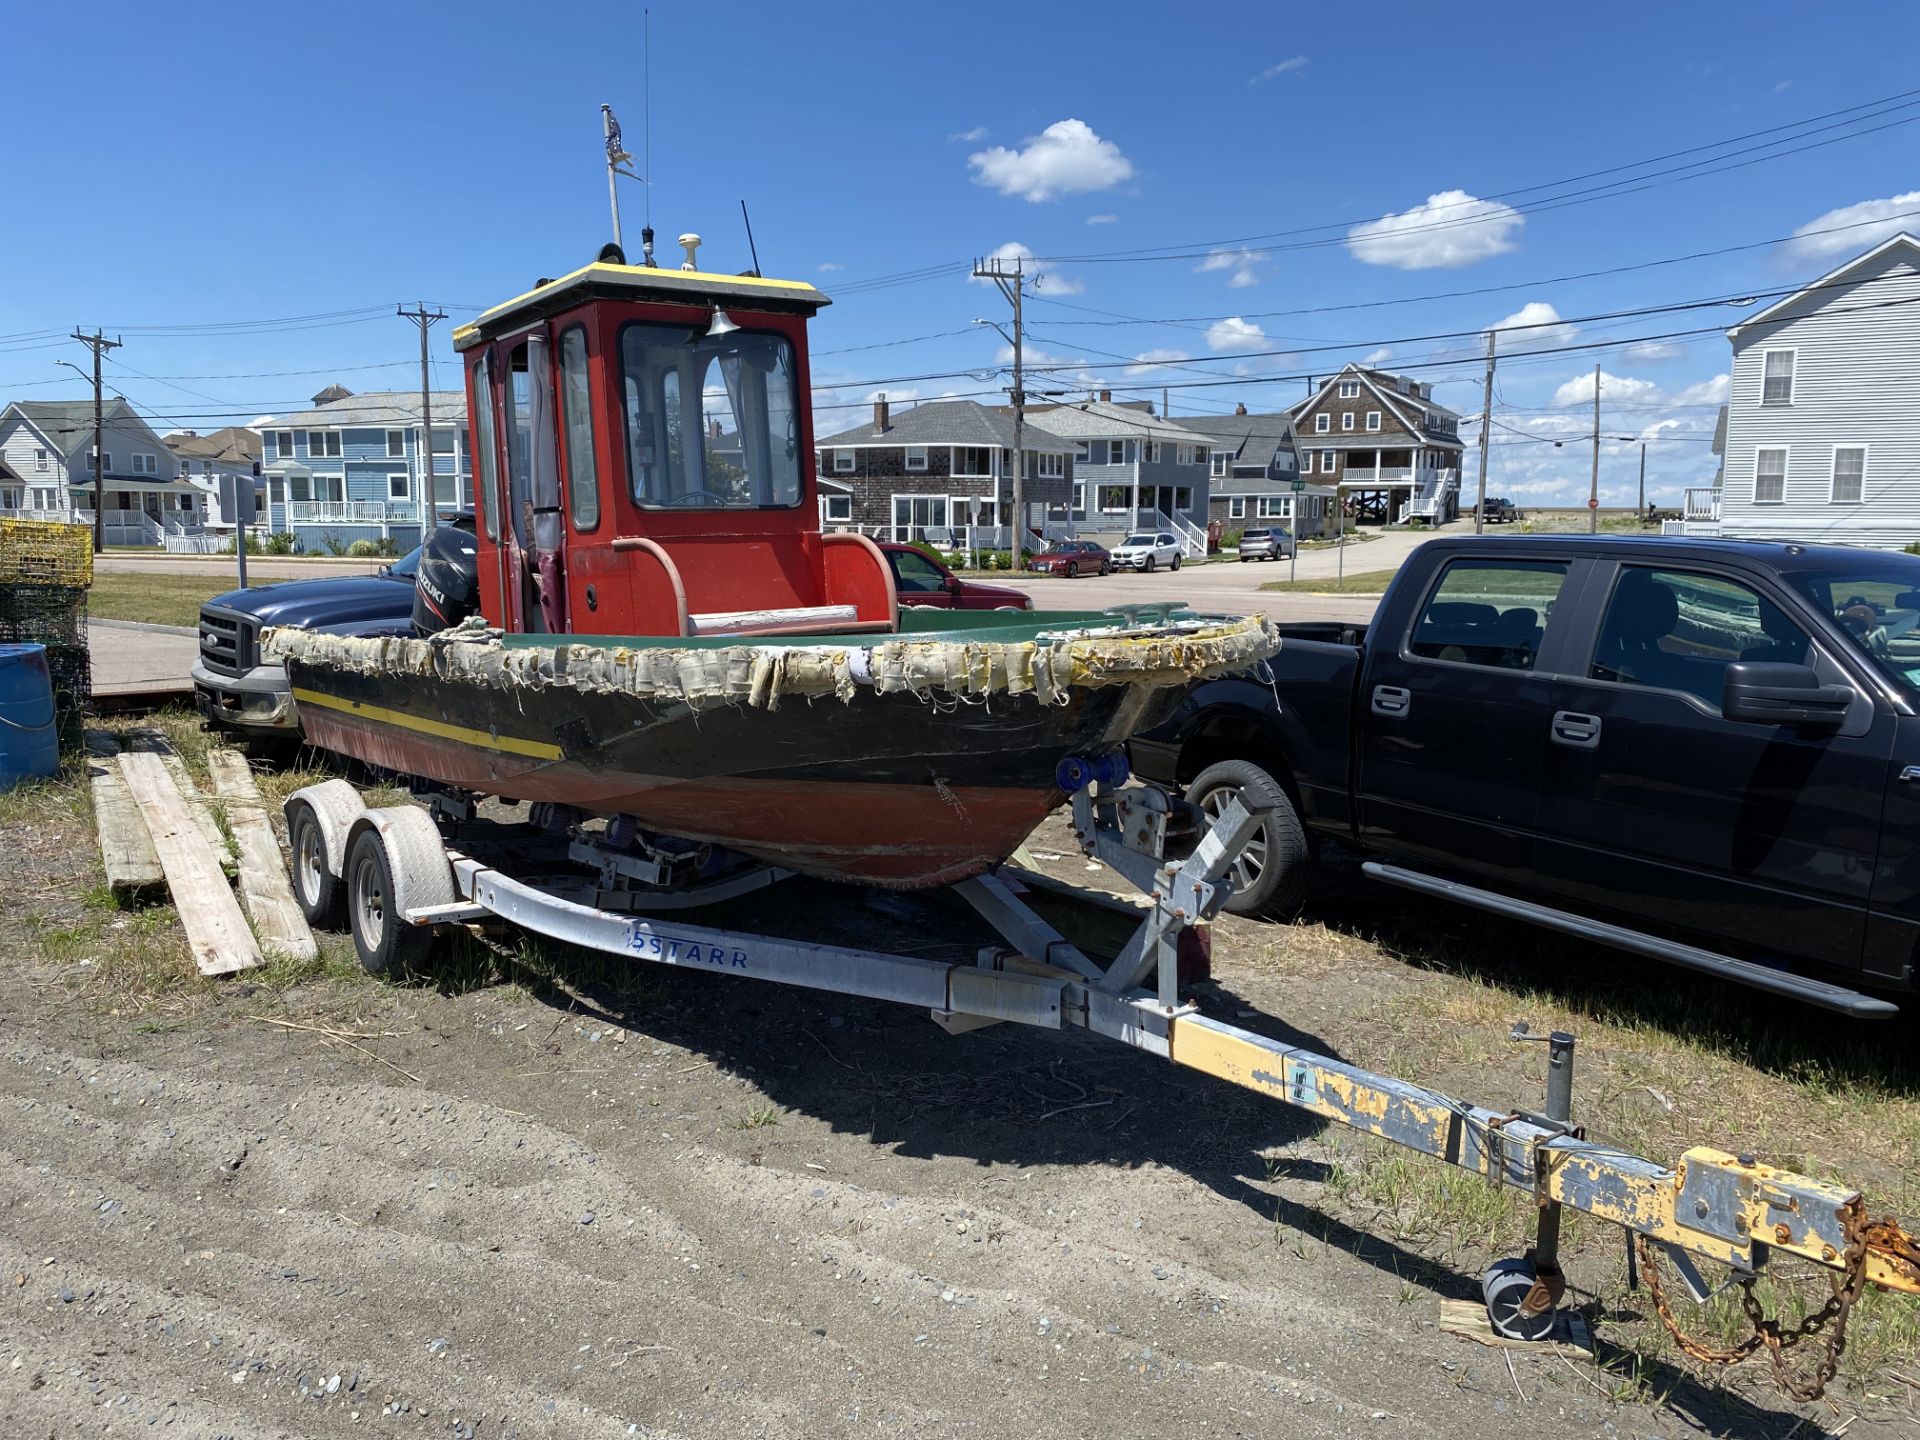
x=426, y=319
x=1593, y=486
x=1486, y=439
x=1643, y=477
x=99, y=344
x=1010, y=276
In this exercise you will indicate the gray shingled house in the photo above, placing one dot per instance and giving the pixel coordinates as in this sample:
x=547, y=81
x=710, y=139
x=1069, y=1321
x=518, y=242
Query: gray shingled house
x=1253, y=469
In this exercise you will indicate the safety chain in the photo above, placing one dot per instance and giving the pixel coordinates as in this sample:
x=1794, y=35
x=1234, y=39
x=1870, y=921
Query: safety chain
x=1768, y=1332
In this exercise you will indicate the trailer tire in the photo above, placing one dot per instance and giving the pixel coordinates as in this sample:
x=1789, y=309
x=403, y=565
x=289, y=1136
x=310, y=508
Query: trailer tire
x=316, y=887
x=382, y=938
x=1270, y=875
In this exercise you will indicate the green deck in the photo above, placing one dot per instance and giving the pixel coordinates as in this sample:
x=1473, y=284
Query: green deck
x=918, y=622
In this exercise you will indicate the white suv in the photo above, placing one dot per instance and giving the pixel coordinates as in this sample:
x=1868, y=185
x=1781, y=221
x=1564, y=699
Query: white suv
x=1147, y=551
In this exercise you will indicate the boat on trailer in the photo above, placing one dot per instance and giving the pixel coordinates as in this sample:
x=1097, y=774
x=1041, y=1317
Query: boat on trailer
x=662, y=633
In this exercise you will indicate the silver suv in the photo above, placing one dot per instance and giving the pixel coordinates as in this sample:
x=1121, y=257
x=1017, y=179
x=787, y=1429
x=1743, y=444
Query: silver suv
x=1262, y=543
x=1147, y=550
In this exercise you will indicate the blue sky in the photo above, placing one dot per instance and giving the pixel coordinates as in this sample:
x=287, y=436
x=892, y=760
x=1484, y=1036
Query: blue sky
x=264, y=162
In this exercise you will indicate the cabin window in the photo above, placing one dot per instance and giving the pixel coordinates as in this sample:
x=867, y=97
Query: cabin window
x=1776, y=379
x=519, y=421
x=916, y=457
x=576, y=406
x=483, y=431
x=396, y=444
x=712, y=421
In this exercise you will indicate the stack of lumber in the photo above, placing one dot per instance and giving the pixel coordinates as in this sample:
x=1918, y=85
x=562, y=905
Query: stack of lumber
x=156, y=826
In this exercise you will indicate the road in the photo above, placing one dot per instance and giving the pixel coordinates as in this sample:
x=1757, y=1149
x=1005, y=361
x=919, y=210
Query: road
x=259, y=567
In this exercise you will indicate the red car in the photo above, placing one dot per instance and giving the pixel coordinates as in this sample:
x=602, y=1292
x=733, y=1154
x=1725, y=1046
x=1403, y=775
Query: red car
x=1070, y=558
x=920, y=579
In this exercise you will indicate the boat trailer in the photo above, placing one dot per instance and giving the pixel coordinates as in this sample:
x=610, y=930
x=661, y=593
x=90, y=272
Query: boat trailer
x=396, y=877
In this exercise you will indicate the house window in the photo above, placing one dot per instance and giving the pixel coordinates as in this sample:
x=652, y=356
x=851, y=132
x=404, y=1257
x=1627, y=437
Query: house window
x=1220, y=461
x=106, y=461
x=1150, y=451
x=1083, y=451
x=843, y=462
x=396, y=444
x=146, y=464
x=1326, y=462
x=1373, y=419
x=1079, y=500
x=974, y=460
x=40, y=460
x=913, y=516
x=1849, y=474
x=1183, y=497
x=1237, y=508
x=1113, y=499
x=836, y=509
x=1346, y=420
x=283, y=444
x=397, y=485
x=1769, y=476
x=916, y=457
x=1116, y=452
x=1053, y=465
x=323, y=442
x=1776, y=378
x=1349, y=389
x=1322, y=424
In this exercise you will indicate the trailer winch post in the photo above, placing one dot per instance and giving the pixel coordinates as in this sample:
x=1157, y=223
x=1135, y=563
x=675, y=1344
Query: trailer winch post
x=1548, y=1283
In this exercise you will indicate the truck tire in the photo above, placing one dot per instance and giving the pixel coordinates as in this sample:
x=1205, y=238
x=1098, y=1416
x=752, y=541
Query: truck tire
x=1270, y=875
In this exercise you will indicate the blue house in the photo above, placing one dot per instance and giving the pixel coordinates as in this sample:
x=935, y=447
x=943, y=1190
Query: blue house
x=350, y=468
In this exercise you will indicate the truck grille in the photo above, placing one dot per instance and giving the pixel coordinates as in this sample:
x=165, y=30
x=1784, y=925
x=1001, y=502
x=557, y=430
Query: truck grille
x=229, y=642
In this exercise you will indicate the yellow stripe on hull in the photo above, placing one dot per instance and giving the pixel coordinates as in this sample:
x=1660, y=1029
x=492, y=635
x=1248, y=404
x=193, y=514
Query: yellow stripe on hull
x=486, y=740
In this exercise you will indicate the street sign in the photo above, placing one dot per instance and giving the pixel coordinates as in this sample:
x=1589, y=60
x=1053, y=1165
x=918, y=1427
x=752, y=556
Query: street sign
x=1593, y=504
x=1299, y=485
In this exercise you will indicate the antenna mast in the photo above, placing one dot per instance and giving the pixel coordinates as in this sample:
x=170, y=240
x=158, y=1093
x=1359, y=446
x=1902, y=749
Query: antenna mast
x=646, y=131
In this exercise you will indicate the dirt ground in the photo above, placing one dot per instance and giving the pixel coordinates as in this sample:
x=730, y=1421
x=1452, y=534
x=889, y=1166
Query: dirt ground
x=538, y=1194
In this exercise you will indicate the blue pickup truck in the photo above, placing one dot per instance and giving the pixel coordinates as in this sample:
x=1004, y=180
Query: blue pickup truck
x=236, y=693
x=1703, y=751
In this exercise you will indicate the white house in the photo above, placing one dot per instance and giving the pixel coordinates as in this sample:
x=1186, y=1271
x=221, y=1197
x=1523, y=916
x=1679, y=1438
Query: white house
x=48, y=445
x=204, y=459
x=1823, y=418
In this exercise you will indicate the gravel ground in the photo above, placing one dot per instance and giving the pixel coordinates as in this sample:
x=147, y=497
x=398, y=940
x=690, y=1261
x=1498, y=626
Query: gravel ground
x=682, y=1205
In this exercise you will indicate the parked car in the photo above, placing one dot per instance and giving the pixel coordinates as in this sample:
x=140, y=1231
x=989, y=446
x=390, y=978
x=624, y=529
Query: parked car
x=1498, y=511
x=1701, y=751
x=1263, y=542
x=234, y=691
x=919, y=579
x=1071, y=558
x=1147, y=551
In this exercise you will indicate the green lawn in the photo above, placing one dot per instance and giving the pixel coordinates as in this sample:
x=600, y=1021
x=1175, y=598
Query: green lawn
x=1363, y=582
x=156, y=599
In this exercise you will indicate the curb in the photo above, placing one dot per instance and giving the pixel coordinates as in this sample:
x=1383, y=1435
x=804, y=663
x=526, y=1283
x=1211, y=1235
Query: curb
x=146, y=626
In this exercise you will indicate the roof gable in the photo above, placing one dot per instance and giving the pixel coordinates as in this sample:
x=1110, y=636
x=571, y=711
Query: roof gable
x=1903, y=242
x=67, y=425
x=945, y=422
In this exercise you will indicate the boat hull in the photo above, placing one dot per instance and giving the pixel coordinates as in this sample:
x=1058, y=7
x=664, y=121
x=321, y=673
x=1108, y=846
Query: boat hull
x=892, y=789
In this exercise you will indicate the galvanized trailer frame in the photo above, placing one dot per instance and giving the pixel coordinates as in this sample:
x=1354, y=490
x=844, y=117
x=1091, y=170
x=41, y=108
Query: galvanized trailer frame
x=1711, y=1206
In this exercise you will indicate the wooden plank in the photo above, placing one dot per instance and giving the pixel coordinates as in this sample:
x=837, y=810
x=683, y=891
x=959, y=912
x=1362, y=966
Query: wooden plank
x=126, y=850
x=153, y=742
x=1468, y=1319
x=216, y=930
x=264, y=887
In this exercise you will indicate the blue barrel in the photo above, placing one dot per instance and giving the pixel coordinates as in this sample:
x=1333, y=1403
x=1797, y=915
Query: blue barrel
x=29, y=744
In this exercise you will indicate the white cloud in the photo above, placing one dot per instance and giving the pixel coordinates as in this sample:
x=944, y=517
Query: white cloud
x=1780, y=85
x=1707, y=392
x=1151, y=360
x=1856, y=227
x=830, y=265
x=1102, y=219
x=970, y=137
x=1579, y=390
x=1241, y=264
x=1233, y=333
x=1064, y=159
x=1444, y=232
x=1536, y=325
x=1286, y=66
x=1649, y=350
x=1377, y=357
x=1046, y=282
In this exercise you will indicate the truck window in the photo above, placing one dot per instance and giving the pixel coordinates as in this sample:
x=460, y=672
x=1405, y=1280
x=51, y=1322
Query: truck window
x=1680, y=629
x=1489, y=612
x=576, y=403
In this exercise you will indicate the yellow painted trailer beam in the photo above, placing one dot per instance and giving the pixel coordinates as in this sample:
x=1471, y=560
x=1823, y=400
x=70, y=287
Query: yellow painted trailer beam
x=1713, y=1205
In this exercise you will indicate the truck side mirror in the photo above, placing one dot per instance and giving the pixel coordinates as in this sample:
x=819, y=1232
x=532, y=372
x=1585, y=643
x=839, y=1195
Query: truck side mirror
x=1764, y=693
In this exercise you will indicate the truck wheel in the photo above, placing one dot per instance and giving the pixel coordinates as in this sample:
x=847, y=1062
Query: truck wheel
x=382, y=938
x=1270, y=874
x=316, y=888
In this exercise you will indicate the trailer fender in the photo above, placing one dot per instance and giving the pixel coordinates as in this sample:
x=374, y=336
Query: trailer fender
x=417, y=857
x=336, y=805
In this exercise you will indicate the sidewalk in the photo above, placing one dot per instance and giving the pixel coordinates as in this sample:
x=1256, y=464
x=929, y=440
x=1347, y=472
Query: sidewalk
x=131, y=659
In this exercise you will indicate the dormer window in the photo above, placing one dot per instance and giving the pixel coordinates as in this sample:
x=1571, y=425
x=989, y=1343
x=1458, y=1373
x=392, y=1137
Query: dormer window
x=1349, y=389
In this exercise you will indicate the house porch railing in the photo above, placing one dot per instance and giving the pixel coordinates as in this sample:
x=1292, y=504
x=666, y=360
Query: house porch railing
x=1702, y=503
x=351, y=512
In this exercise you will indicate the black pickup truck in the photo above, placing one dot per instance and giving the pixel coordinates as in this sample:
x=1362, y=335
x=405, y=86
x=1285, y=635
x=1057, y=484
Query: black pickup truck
x=1705, y=751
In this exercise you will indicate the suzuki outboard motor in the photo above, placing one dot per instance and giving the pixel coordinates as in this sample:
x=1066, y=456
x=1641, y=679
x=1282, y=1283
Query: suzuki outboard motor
x=447, y=588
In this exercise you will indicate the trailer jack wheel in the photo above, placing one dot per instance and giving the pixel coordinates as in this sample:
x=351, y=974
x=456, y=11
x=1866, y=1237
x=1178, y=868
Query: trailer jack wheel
x=1506, y=1286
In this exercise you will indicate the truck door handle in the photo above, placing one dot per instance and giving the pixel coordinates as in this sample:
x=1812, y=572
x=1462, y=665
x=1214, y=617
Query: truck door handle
x=1391, y=700
x=1570, y=727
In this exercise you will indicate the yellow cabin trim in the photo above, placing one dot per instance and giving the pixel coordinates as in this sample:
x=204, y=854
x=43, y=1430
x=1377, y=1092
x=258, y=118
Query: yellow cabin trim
x=692, y=280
